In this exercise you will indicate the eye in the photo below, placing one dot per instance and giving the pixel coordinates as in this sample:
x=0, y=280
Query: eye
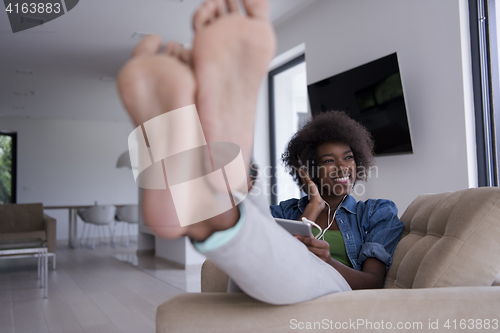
x=349, y=157
x=328, y=161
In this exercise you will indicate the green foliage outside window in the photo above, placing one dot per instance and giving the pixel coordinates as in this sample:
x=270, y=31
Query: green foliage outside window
x=5, y=169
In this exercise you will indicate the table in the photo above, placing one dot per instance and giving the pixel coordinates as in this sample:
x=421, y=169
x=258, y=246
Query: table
x=72, y=220
x=16, y=250
x=72, y=230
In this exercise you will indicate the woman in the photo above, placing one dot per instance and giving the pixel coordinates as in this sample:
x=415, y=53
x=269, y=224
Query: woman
x=325, y=158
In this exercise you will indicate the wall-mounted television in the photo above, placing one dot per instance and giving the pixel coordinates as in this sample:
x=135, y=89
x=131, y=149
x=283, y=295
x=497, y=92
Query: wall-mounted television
x=372, y=94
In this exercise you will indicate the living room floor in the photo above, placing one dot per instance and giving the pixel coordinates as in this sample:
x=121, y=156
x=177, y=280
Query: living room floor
x=102, y=290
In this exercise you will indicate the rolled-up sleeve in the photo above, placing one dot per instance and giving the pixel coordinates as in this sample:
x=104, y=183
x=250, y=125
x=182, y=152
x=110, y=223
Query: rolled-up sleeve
x=383, y=232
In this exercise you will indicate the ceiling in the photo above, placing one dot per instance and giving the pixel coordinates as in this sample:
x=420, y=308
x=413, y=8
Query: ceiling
x=73, y=60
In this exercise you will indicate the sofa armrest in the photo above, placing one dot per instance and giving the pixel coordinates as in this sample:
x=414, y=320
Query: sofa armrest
x=213, y=279
x=352, y=310
x=49, y=224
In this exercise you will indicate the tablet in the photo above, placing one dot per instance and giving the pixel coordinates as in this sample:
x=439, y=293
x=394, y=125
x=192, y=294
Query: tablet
x=296, y=228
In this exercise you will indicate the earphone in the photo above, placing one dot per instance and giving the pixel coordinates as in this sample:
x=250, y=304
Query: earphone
x=321, y=234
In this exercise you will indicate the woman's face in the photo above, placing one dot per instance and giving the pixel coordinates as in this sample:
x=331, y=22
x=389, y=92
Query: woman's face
x=337, y=168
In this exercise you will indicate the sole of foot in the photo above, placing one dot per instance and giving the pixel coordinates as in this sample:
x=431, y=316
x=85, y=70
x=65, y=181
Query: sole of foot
x=150, y=84
x=231, y=53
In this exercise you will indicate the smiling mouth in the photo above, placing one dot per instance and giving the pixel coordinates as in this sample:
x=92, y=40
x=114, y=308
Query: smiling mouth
x=341, y=180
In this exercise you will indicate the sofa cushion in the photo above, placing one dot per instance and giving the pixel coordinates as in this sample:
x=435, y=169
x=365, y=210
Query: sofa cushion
x=21, y=218
x=449, y=239
x=21, y=236
x=352, y=311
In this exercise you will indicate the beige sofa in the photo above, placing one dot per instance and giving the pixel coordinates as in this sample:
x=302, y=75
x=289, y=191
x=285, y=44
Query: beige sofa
x=24, y=222
x=445, y=276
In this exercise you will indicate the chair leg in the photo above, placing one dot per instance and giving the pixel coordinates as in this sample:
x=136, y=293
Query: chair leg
x=88, y=235
x=113, y=240
x=89, y=230
x=102, y=235
x=111, y=236
x=42, y=273
x=93, y=238
x=121, y=233
x=99, y=239
x=83, y=233
x=128, y=234
x=54, y=262
x=45, y=274
x=39, y=272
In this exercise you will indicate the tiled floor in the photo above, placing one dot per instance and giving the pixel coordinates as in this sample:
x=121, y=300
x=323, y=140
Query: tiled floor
x=188, y=280
x=101, y=290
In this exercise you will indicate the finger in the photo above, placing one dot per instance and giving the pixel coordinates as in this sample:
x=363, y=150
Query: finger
x=320, y=244
x=307, y=240
x=320, y=253
x=303, y=174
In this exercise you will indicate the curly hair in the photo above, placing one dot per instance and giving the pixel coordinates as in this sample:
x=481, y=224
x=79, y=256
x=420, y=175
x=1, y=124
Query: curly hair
x=332, y=126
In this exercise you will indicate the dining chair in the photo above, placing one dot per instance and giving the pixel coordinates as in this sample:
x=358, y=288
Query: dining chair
x=97, y=217
x=127, y=216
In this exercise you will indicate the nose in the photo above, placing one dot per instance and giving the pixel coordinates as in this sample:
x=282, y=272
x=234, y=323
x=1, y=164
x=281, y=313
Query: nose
x=341, y=165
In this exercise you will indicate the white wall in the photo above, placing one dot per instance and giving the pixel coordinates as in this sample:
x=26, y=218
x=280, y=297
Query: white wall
x=63, y=162
x=431, y=39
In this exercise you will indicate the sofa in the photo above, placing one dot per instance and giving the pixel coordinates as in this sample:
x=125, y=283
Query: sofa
x=25, y=222
x=445, y=276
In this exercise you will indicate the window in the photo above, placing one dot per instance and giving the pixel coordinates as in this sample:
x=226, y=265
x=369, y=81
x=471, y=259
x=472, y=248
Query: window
x=8, y=144
x=287, y=113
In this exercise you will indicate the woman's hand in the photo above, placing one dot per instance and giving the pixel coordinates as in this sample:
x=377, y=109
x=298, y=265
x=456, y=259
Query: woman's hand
x=320, y=248
x=313, y=194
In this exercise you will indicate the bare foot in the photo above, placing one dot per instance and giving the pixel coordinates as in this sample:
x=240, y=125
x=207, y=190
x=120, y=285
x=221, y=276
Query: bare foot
x=230, y=56
x=150, y=84
x=231, y=52
x=153, y=83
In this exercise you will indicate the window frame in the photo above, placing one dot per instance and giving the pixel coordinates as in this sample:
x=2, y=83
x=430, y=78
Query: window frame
x=483, y=58
x=13, y=135
x=272, y=119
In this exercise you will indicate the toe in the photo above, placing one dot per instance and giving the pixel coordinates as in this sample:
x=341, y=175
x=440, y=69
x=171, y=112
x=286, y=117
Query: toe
x=178, y=51
x=148, y=46
x=232, y=6
x=185, y=55
x=220, y=7
x=258, y=9
x=171, y=49
x=206, y=13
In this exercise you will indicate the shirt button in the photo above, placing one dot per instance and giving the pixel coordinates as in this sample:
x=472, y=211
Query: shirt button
x=341, y=221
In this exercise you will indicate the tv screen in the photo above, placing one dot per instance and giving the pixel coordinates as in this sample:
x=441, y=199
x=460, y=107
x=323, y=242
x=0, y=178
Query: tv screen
x=372, y=94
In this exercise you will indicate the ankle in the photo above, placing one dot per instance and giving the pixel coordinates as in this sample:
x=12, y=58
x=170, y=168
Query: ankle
x=201, y=231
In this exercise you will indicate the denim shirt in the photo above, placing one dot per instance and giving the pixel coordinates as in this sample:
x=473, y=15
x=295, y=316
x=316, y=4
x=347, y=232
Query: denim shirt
x=371, y=229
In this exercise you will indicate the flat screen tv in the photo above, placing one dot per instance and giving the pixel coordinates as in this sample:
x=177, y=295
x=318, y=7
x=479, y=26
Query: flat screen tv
x=372, y=94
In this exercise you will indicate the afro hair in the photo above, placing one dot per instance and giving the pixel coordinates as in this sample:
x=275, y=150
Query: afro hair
x=332, y=126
